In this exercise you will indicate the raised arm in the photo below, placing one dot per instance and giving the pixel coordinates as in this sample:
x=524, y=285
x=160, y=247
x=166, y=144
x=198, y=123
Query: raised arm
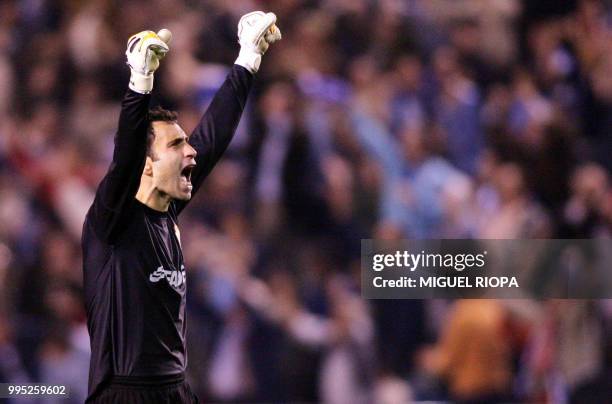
x=116, y=192
x=216, y=129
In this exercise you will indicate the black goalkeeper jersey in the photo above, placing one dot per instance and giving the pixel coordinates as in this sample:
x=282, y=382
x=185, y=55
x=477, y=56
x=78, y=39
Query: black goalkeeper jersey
x=134, y=274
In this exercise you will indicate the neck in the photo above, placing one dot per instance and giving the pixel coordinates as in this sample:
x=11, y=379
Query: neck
x=149, y=195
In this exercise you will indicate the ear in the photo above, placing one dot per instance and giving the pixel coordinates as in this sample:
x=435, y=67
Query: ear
x=148, y=168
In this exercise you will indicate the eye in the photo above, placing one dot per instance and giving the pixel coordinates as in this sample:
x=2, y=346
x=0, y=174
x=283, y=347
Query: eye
x=176, y=142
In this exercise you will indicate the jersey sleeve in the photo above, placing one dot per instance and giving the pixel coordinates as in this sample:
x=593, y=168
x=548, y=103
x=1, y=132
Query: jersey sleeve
x=218, y=125
x=116, y=193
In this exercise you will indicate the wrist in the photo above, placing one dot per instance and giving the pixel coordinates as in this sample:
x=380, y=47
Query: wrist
x=140, y=82
x=249, y=59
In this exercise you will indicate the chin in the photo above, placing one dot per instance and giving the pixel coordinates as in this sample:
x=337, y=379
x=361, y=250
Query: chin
x=180, y=195
x=183, y=196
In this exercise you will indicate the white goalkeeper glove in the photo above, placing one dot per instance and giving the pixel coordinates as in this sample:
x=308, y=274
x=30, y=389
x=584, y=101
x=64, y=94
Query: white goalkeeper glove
x=256, y=31
x=144, y=51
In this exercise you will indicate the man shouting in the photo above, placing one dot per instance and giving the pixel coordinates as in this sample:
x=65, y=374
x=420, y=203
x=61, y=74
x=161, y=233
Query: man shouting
x=134, y=274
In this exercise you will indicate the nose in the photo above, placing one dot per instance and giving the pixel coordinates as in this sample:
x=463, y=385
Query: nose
x=190, y=151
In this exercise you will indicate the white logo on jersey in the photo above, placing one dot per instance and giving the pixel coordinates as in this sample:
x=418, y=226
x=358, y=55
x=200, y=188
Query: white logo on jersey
x=174, y=278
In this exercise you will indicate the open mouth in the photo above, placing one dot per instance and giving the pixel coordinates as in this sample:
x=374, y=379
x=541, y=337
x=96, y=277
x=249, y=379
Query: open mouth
x=186, y=172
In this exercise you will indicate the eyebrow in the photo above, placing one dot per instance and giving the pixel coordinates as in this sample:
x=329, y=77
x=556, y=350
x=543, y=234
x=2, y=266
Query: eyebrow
x=177, y=140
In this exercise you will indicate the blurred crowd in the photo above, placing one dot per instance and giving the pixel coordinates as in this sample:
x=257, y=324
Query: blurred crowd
x=382, y=119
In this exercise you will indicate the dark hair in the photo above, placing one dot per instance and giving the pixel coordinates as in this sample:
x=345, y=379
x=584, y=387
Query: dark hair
x=158, y=114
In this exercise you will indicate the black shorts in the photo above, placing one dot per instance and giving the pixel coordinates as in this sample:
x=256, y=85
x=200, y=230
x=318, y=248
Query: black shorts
x=147, y=390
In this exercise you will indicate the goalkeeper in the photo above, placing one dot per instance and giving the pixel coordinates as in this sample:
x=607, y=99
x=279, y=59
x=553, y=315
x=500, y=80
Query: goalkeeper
x=134, y=274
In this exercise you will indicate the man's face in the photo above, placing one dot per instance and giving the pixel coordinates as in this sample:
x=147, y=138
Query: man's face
x=172, y=160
